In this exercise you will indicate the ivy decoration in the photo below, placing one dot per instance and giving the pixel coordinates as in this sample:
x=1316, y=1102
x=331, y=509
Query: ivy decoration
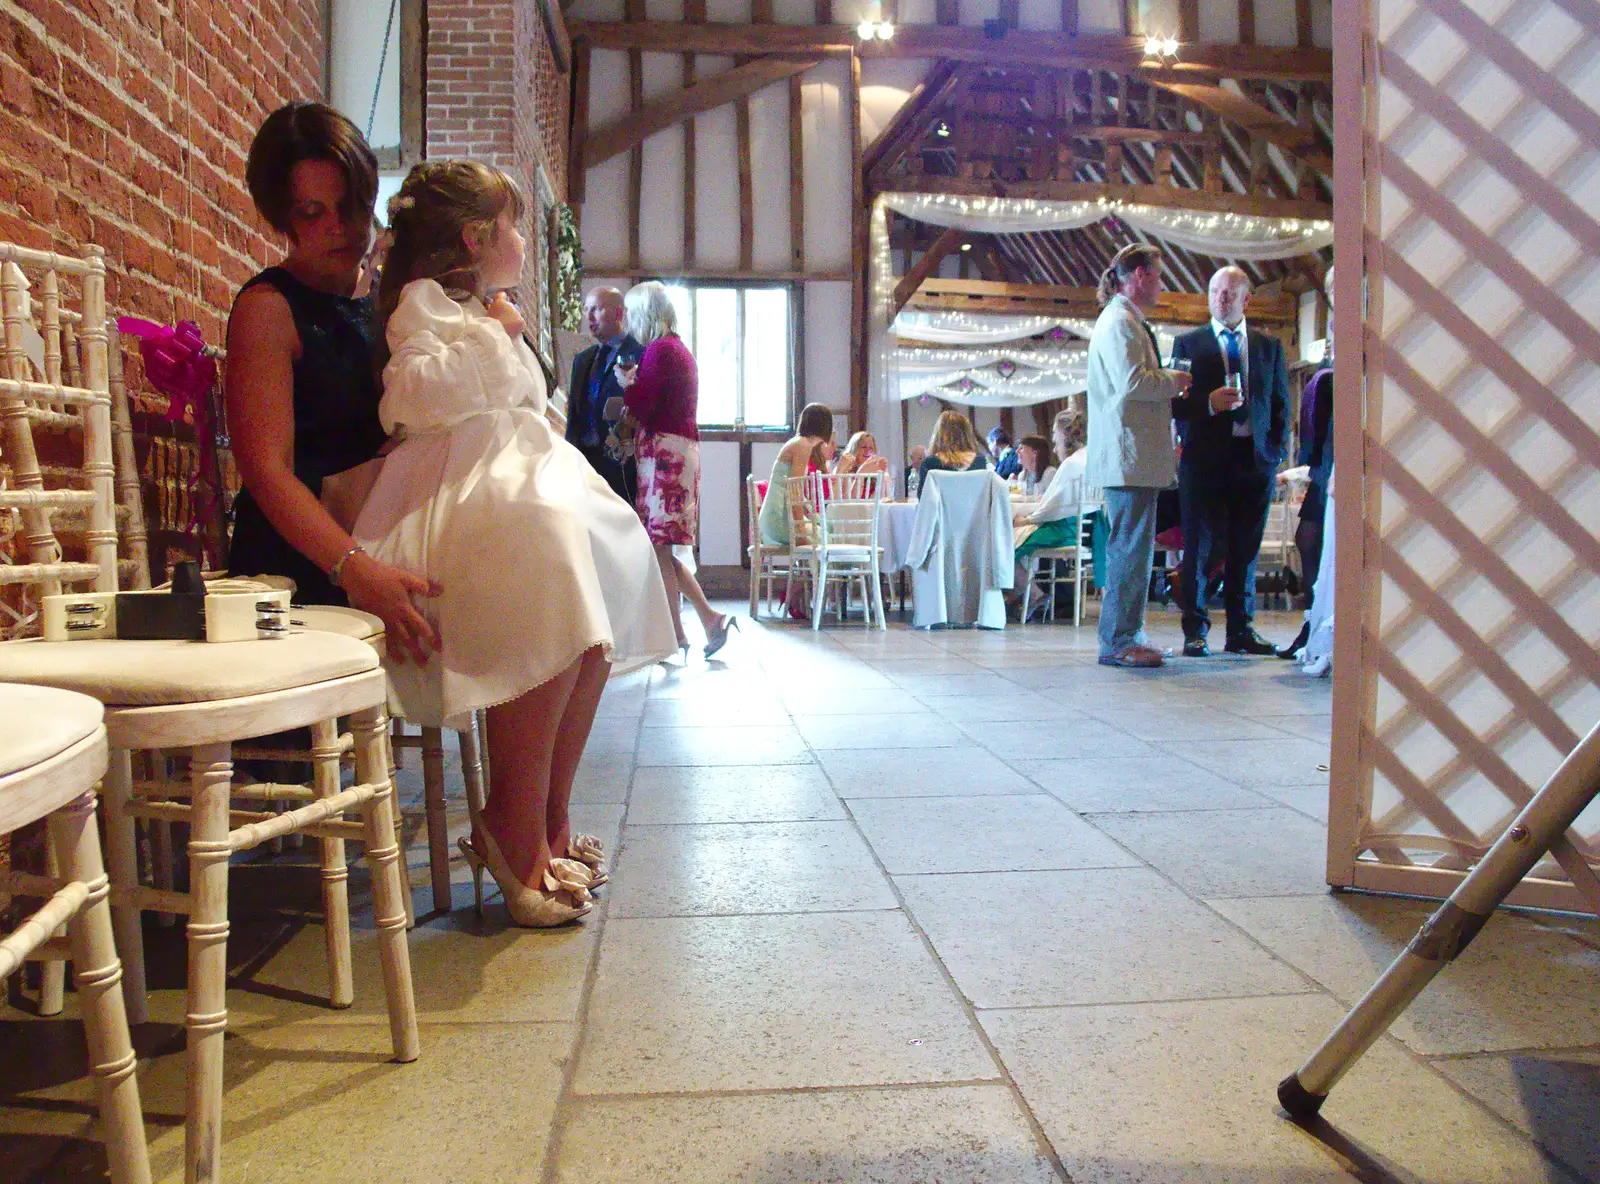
x=569, y=269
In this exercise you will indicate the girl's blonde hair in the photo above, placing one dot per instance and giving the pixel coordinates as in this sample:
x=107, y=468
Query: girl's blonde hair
x=953, y=438
x=442, y=205
x=855, y=442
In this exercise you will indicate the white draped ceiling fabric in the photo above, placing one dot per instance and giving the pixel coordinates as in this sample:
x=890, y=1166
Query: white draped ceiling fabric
x=1223, y=235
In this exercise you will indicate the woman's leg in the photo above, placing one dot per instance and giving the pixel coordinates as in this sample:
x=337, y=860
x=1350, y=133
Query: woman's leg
x=669, y=579
x=690, y=587
x=572, y=736
x=522, y=741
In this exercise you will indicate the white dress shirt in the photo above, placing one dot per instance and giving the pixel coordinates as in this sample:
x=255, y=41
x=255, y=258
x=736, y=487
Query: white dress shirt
x=1218, y=329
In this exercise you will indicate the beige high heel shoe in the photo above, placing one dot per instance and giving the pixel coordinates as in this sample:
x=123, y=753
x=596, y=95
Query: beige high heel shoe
x=530, y=908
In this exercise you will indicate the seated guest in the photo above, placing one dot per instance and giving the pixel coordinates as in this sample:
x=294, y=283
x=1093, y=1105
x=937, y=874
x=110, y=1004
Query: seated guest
x=860, y=455
x=807, y=451
x=1006, y=463
x=914, y=460
x=1054, y=521
x=1037, y=464
x=953, y=449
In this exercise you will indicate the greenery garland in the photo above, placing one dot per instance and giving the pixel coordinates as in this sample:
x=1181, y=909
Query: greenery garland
x=569, y=269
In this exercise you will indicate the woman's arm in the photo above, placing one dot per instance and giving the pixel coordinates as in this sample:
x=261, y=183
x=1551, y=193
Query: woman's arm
x=641, y=393
x=260, y=397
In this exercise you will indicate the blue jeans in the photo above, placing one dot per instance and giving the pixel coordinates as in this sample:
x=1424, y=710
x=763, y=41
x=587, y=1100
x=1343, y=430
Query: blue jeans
x=1130, y=550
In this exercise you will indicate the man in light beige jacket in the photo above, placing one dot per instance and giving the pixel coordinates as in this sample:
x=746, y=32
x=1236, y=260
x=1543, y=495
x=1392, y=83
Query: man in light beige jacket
x=1130, y=451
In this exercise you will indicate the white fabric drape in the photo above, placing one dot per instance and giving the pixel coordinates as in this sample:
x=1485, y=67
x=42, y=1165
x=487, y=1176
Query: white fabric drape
x=1230, y=236
x=992, y=377
x=952, y=327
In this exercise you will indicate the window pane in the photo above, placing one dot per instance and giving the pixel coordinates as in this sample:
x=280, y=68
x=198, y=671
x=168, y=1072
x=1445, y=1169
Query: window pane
x=683, y=303
x=766, y=357
x=716, y=352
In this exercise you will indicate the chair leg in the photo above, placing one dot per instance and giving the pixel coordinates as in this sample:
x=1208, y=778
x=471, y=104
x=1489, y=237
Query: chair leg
x=755, y=581
x=383, y=859
x=481, y=726
x=52, y=973
x=471, y=766
x=438, y=829
x=1027, y=586
x=819, y=595
x=98, y=976
x=335, y=873
x=210, y=774
x=122, y=858
x=393, y=759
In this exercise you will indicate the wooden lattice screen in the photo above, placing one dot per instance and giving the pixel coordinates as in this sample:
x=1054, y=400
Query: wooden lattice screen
x=1468, y=455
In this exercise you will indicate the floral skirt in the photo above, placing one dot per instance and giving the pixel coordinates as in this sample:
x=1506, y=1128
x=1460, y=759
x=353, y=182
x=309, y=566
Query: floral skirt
x=669, y=488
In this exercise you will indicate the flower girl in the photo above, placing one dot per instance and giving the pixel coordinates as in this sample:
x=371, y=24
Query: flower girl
x=547, y=581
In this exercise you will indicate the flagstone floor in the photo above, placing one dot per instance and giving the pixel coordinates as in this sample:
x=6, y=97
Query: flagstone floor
x=887, y=907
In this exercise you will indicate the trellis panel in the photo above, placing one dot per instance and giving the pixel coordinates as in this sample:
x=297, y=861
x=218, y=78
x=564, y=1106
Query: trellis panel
x=1468, y=456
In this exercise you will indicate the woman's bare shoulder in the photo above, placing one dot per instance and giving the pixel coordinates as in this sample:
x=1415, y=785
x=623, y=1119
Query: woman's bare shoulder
x=261, y=320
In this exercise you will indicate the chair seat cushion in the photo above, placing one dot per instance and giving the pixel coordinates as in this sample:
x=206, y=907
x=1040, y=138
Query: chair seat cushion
x=37, y=723
x=158, y=673
x=333, y=618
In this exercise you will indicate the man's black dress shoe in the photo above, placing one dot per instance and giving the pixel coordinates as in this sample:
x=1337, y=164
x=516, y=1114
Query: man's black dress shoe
x=1250, y=642
x=1292, y=650
x=1196, y=647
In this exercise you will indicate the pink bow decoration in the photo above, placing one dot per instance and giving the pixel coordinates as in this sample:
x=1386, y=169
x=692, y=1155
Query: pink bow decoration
x=176, y=364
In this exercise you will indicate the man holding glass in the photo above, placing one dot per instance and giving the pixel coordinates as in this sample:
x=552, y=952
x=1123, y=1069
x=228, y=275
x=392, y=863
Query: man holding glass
x=1234, y=428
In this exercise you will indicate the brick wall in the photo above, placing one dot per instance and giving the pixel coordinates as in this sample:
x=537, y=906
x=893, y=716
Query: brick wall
x=125, y=123
x=493, y=89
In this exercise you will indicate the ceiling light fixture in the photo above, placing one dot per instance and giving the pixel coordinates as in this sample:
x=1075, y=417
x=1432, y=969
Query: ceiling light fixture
x=885, y=31
x=865, y=30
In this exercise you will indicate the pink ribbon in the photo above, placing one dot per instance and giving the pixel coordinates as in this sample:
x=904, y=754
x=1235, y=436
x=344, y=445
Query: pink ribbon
x=176, y=365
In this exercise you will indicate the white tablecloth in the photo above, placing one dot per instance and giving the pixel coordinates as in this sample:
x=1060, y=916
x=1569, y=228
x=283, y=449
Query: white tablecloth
x=895, y=520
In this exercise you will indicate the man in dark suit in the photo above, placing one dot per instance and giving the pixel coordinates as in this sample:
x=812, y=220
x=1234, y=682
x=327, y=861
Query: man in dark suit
x=1235, y=432
x=594, y=384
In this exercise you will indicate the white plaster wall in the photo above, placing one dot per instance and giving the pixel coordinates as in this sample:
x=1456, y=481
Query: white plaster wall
x=825, y=126
x=828, y=345
x=354, y=50
x=721, y=487
x=769, y=174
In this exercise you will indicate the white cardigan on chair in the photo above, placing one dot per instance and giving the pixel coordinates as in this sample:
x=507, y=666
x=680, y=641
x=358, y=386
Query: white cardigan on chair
x=960, y=552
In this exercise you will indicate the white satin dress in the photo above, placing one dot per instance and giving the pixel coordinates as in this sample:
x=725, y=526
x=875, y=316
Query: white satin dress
x=538, y=560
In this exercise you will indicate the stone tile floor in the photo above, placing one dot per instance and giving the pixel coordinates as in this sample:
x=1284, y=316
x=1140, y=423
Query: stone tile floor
x=886, y=907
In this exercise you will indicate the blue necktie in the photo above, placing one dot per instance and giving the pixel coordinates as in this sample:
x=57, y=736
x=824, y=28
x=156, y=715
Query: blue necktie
x=1231, y=337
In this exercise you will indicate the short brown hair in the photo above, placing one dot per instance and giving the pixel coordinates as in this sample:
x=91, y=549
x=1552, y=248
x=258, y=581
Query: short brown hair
x=816, y=421
x=1128, y=260
x=309, y=131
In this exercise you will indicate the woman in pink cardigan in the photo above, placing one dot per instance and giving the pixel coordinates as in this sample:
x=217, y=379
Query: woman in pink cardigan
x=663, y=394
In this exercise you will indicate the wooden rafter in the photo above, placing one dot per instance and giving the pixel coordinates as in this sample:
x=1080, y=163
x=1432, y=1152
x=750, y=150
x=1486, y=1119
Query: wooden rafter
x=1124, y=54
x=1261, y=123
x=904, y=126
x=636, y=127
x=1183, y=308
x=947, y=242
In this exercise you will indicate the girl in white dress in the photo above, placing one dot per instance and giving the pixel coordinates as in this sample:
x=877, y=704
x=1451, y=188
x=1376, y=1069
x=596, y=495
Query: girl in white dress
x=547, y=581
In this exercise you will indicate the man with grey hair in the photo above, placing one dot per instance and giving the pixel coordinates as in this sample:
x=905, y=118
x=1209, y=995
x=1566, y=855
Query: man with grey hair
x=1235, y=433
x=594, y=385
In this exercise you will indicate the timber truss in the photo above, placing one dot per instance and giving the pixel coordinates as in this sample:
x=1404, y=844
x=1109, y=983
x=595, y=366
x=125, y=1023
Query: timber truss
x=1250, y=146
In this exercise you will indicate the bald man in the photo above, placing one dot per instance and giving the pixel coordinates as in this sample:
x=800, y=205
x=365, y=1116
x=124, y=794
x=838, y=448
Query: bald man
x=1234, y=425
x=594, y=383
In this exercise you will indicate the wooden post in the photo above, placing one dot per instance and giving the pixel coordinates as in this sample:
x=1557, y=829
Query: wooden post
x=576, y=170
x=1247, y=22
x=635, y=12
x=860, y=316
x=1069, y=17
x=797, y=176
x=747, y=196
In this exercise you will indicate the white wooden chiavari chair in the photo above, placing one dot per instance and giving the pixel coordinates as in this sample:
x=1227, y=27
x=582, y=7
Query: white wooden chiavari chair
x=1050, y=567
x=190, y=697
x=842, y=512
x=52, y=753
x=768, y=561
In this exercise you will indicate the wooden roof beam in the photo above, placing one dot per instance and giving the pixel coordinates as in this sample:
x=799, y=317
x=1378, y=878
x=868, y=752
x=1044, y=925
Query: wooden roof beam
x=1198, y=62
x=947, y=242
x=1189, y=308
x=907, y=124
x=632, y=130
x=1255, y=119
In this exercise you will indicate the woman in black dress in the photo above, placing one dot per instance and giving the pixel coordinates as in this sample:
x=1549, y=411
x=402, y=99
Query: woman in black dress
x=301, y=388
